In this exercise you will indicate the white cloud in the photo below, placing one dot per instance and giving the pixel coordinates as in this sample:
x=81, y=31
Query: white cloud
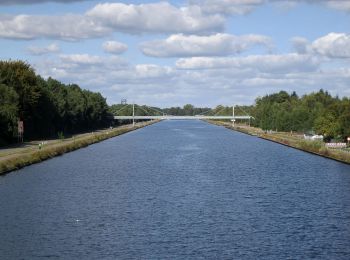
x=27, y=2
x=66, y=27
x=89, y=71
x=82, y=59
x=201, y=81
x=103, y=19
x=207, y=16
x=220, y=44
x=92, y=68
x=144, y=74
x=36, y=50
x=300, y=45
x=114, y=47
x=204, y=75
x=152, y=71
x=285, y=63
x=333, y=45
x=228, y=7
x=159, y=17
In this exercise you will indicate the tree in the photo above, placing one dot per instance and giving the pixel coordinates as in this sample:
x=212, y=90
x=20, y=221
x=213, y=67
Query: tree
x=8, y=113
x=328, y=126
x=45, y=106
x=19, y=76
x=96, y=109
x=344, y=118
x=188, y=109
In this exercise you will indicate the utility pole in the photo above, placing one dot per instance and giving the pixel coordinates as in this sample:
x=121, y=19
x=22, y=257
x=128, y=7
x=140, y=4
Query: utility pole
x=133, y=114
x=233, y=115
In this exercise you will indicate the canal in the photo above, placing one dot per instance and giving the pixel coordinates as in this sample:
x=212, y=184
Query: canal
x=178, y=190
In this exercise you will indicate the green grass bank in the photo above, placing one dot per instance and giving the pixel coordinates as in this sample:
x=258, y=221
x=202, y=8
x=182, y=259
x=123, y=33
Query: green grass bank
x=291, y=140
x=21, y=157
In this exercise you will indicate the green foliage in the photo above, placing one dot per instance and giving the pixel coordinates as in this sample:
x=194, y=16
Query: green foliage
x=189, y=109
x=126, y=110
x=60, y=135
x=45, y=106
x=186, y=110
x=318, y=112
x=312, y=146
x=8, y=113
x=327, y=125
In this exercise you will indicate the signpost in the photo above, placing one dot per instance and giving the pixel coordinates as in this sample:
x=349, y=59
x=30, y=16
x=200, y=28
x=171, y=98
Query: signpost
x=20, y=127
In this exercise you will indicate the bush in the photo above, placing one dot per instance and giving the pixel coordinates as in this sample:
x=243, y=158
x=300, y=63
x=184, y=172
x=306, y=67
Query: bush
x=60, y=135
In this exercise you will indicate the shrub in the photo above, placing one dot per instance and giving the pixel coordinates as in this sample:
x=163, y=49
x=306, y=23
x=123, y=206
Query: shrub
x=60, y=135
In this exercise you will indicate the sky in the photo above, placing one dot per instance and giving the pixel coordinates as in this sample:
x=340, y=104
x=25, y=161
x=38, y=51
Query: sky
x=171, y=53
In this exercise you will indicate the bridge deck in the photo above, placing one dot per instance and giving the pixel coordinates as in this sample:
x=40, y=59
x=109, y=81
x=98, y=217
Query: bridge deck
x=179, y=117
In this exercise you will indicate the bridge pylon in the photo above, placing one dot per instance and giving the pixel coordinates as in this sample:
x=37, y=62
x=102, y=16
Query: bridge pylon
x=233, y=116
x=133, y=114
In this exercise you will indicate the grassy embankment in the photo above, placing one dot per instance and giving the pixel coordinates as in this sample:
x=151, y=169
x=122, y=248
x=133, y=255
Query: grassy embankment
x=16, y=158
x=292, y=140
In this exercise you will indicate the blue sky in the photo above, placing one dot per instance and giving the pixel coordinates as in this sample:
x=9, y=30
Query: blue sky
x=176, y=52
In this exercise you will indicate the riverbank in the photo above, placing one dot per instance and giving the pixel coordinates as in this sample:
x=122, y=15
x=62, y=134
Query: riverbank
x=291, y=140
x=18, y=157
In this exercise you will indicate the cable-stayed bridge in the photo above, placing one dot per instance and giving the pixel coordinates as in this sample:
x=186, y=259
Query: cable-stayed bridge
x=170, y=117
x=162, y=116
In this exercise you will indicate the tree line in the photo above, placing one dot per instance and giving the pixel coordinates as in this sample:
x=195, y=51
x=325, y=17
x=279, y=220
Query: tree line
x=142, y=110
x=317, y=112
x=314, y=113
x=47, y=107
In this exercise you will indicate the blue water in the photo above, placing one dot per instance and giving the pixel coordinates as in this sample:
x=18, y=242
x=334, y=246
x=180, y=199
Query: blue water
x=178, y=190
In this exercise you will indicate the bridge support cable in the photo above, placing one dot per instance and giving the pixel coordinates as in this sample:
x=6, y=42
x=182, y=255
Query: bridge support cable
x=203, y=113
x=121, y=108
x=159, y=111
x=246, y=114
x=219, y=111
x=140, y=107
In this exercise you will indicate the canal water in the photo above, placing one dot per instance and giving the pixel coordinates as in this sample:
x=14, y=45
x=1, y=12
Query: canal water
x=178, y=190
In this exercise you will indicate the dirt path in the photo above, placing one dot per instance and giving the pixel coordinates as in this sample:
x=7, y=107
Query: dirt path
x=14, y=150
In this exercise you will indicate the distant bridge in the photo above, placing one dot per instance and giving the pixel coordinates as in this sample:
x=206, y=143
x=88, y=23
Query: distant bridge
x=169, y=117
x=201, y=116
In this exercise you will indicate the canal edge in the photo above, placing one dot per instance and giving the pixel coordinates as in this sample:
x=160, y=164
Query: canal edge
x=240, y=130
x=25, y=159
